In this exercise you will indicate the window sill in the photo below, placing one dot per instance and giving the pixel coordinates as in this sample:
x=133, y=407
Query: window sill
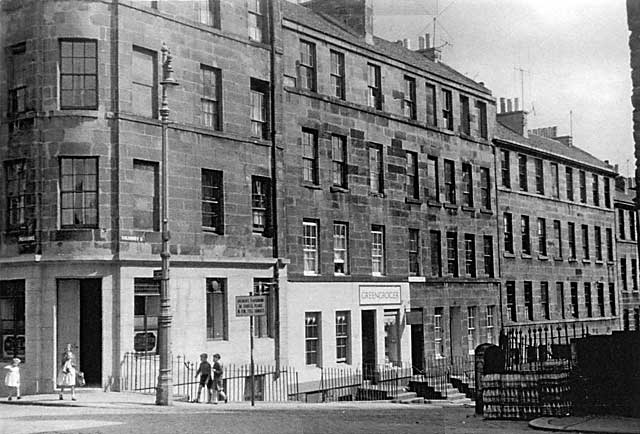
x=586, y=261
x=509, y=255
x=468, y=208
x=376, y=194
x=525, y=256
x=572, y=260
x=311, y=186
x=450, y=206
x=599, y=262
x=307, y=274
x=486, y=211
x=76, y=112
x=543, y=257
x=434, y=203
x=558, y=259
x=412, y=201
x=338, y=189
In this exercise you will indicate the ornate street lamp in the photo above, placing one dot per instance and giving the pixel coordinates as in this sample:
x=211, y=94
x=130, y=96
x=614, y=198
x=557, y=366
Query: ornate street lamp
x=164, y=386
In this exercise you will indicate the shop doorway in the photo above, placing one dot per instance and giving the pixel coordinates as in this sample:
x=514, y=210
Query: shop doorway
x=368, y=339
x=79, y=323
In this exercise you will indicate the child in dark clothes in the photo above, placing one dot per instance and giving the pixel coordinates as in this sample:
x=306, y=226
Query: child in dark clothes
x=204, y=370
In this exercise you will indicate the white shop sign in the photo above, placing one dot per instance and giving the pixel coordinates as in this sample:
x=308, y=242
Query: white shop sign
x=379, y=295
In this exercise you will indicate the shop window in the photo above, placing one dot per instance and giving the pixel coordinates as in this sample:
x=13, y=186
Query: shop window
x=146, y=310
x=392, y=337
x=12, y=318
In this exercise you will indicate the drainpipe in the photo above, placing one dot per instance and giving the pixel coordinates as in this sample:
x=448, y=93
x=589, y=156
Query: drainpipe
x=495, y=179
x=275, y=287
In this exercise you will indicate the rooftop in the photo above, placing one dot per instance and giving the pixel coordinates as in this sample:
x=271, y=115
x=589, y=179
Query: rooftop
x=551, y=146
x=324, y=24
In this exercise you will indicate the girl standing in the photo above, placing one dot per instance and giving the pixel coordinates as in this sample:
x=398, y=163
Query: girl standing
x=67, y=375
x=12, y=379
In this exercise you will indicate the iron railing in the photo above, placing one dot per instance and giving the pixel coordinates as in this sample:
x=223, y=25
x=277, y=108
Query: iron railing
x=440, y=373
x=534, y=348
x=369, y=383
x=140, y=373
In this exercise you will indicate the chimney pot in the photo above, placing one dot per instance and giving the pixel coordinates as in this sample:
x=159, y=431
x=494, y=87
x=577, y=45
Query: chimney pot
x=517, y=104
x=406, y=43
x=427, y=40
x=421, y=45
x=509, y=106
x=502, y=106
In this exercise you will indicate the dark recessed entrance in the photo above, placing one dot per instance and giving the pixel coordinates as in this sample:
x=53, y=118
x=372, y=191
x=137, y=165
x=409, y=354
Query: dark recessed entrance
x=79, y=319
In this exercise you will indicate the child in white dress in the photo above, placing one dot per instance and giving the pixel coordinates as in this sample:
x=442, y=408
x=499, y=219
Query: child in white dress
x=67, y=374
x=12, y=378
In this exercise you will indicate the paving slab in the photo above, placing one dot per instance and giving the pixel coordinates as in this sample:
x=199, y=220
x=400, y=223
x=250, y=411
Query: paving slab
x=588, y=424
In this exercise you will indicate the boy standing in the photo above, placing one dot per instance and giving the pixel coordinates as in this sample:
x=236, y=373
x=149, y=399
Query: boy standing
x=204, y=370
x=218, y=373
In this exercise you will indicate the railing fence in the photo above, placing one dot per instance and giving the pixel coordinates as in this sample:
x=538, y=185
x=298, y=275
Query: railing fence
x=537, y=347
x=140, y=373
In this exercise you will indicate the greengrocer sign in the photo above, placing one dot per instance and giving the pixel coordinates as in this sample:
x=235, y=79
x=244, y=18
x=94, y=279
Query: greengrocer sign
x=379, y=294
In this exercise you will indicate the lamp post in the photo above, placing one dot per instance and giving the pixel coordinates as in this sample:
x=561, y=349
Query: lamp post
x=164, y=386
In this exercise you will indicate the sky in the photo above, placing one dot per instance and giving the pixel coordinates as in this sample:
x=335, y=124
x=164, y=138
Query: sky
x=574, y=53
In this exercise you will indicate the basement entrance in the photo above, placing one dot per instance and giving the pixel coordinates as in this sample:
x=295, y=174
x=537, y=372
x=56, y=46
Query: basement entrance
x=79, y=323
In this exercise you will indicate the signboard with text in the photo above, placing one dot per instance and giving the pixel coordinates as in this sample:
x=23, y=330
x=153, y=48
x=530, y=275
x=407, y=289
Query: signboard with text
x=370, y=294
x=251, y=305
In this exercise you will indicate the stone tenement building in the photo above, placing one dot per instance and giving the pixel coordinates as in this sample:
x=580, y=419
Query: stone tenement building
x=389, y=201
x=557, y=220
x=80, y=149
x=384, y=188
x=627, y=252
x=349, y=178
x=633, y=15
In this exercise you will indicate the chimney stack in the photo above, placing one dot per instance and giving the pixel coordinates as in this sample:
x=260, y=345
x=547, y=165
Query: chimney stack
x=566, y=140
x=515, y=120
x=428, y=51
x=357, y=15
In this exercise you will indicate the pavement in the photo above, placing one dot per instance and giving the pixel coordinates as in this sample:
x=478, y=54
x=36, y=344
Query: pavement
x=98, y=399
x=588, y=424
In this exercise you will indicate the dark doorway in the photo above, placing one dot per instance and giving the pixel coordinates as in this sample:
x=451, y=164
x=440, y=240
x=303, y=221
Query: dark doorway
x=455, y=331
x=368, y=339
x=91, y=330
x=417, y=348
